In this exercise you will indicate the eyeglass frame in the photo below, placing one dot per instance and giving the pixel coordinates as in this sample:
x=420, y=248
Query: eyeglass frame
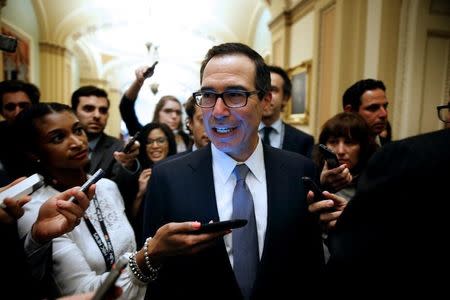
x=439, y=108
x=11, y=106
x=221, y=95
x=159, y=141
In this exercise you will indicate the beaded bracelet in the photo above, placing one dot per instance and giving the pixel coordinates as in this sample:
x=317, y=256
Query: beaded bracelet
x=151, y=268
x=135, y=268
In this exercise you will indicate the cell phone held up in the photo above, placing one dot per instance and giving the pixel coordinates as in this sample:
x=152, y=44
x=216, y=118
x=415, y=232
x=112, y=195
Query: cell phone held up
x=220, y=226
x=130, y=143
x=310, y=185
x=330, y=156
x=149, y=71
x=91, y=180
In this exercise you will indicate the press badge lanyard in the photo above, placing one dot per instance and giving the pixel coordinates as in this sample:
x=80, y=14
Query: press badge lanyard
x=107, y=251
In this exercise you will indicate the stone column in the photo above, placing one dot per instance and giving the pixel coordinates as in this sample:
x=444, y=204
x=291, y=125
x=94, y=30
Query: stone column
x=56, y=73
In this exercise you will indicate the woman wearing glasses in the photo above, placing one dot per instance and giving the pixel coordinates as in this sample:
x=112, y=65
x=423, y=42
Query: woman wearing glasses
x=157, y=142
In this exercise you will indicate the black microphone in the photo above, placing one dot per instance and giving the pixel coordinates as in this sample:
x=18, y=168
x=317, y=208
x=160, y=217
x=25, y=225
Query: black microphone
x=8, y=43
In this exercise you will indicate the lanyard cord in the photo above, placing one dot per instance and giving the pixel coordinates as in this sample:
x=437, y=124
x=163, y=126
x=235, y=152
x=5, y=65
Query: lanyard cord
x=107, y=251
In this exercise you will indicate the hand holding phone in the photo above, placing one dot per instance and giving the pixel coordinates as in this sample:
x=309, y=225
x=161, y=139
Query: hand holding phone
x=85, y=187
x=25, y=187
x=310, y=185
x=220, y=226
x=330, y=156
x=149, y=72
x=130, y=143
x=108, y=284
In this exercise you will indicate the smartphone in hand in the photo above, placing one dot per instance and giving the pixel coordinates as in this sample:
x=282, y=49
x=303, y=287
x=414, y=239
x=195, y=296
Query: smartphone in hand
x=91, y=180
x=220, y=226
x=149, y=71
x=330, y=156
x=108, y=284
x=310, y=185
x=130, y=143
x=23, y=188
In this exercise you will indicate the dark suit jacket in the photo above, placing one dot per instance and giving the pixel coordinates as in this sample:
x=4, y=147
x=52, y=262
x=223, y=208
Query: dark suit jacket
x=182, y=189
x=102, y=157
x=391, y=236
x=297, y=141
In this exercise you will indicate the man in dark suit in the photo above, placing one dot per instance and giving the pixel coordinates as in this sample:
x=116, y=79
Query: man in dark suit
x=91, y=106
x=235, y=88
x=390, y=236
x=280, y=134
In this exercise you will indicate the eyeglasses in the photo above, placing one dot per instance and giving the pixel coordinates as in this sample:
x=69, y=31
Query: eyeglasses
x=231, y=98
x=444, y=113
x=159, y=141
x=12, y=106
x=170, y=110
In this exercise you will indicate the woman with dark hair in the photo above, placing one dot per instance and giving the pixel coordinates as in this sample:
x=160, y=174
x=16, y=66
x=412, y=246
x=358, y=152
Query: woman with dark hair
x=167, y=111
x=157, y=142
x=348, y=135
x=55, y=144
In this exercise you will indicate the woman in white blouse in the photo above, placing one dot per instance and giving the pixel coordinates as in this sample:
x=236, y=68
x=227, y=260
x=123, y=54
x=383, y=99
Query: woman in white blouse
x=56, y=144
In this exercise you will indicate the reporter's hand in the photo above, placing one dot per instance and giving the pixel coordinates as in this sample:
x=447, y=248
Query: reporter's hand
x=177, y=239
x=58, y=216
x=140, y=73
x=335, y=179
x=13, y=209
x=143, y=180
x=127, y=160
x=328, y=210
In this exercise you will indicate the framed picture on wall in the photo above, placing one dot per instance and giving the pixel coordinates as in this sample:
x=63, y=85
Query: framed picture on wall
x=16, y=65
x=297, y=110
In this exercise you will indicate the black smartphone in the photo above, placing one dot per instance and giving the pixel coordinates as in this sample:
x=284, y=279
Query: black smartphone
x=91, y=180
x=330, y=156
x=220, y=226
x=310, y=185
x=108, y=284
x=130, y=143
x=149, y=71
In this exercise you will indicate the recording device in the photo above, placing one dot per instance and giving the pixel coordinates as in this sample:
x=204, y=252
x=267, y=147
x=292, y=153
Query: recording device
x=220, y=226
x=130, y=143
x=149, y=71
x=106, y=286
x=25, y=187
x=330, y=156
x=85, y=187
x=310, y=185
x=8, y=43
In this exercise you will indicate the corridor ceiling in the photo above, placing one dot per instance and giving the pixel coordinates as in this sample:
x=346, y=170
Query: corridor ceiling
x=111, y=38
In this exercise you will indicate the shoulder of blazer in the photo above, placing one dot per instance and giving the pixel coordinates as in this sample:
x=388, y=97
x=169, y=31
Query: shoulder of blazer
x=292, y=131
x=107, y=141
x=285, y=159
x=193, y=159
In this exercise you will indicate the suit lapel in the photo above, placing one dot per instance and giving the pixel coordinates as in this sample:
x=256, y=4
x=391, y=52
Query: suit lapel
x=101, y=153
x=275, y=178
x=202, y=182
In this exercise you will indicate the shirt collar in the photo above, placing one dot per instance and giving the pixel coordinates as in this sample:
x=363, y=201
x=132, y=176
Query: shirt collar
x=255, y=163
x=276, y=126
x=93, y=143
